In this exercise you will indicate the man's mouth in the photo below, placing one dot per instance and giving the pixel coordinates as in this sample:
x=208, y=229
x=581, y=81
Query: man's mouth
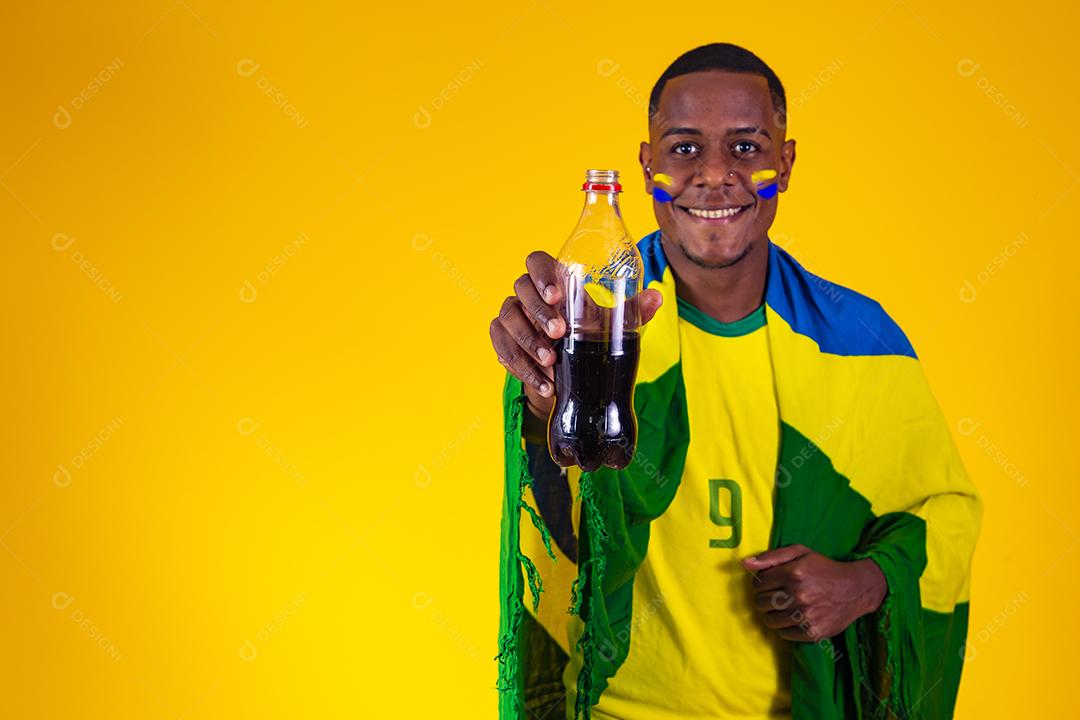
x=716, y=215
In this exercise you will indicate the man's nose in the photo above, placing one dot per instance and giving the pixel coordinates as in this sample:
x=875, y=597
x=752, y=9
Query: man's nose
x=716, y=171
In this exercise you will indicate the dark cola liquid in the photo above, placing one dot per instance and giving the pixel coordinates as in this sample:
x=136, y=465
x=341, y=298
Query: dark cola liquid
x=592, y=422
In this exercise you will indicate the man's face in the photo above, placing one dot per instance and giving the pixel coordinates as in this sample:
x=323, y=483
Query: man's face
x=713, y=130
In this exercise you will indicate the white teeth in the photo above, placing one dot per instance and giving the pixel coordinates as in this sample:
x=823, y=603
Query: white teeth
x=713, y=213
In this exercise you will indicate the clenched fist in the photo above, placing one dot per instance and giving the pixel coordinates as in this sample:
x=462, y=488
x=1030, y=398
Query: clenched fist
x=806, y=596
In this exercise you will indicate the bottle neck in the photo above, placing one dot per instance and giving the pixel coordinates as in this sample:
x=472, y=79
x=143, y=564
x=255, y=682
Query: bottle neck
x=601, y=210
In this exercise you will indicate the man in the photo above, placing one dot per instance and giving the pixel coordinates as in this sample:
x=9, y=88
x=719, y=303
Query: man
x=794, y=535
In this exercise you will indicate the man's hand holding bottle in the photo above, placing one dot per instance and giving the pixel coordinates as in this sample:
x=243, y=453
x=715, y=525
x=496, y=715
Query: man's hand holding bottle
x=530, y=321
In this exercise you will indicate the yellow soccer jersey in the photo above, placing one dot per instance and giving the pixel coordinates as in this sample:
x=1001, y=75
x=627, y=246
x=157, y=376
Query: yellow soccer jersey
x=699, y=649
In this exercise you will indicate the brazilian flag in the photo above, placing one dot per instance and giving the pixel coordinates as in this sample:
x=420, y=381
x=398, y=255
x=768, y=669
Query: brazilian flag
x=887, y=484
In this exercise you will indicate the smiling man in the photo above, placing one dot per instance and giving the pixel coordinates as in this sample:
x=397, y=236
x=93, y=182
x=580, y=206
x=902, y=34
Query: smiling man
x=793, y=536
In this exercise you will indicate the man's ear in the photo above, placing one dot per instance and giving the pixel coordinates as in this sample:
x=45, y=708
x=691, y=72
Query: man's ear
x=787, y=161
x=645, y=158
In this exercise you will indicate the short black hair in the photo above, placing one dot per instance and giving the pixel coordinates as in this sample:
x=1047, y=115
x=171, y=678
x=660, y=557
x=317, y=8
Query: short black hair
x=721, y=56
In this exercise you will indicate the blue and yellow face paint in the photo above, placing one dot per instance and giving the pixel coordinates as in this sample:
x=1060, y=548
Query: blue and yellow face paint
x=765, y=180
x=660, y=194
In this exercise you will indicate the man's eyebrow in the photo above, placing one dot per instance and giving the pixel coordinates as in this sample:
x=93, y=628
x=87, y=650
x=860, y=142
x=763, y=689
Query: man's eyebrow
x=681, y=131
x=748, y=130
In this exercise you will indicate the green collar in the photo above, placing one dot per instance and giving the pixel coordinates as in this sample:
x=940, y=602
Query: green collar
x=744, y=326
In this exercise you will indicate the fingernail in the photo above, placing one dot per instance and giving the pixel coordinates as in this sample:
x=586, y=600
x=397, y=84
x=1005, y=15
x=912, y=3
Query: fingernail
x=545, y=388
x=549, y=292
x=544, y=354
x=553, y=325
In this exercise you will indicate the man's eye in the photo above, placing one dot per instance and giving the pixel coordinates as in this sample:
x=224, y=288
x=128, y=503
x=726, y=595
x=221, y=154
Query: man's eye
x=745, y=146
x=684, y=148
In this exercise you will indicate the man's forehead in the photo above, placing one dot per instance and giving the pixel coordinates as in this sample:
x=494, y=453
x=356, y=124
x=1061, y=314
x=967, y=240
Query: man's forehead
x=715, y=98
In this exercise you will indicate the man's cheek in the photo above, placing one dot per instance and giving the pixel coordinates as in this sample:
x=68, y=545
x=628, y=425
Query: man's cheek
x=765, y=182
x=663, y=188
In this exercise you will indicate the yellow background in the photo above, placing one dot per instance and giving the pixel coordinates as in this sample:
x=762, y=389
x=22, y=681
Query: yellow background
x=252, y=425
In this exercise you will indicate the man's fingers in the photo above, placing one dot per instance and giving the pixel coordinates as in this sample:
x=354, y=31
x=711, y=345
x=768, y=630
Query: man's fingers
x=774, y=600
x=651, y=300
x=796, y=634
x=779, y=619
x=772, y=558
x=541, y=267
x=792, y=625
x=516, y=358
x=524, y=333
x=772, y=579
x=544, y=316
